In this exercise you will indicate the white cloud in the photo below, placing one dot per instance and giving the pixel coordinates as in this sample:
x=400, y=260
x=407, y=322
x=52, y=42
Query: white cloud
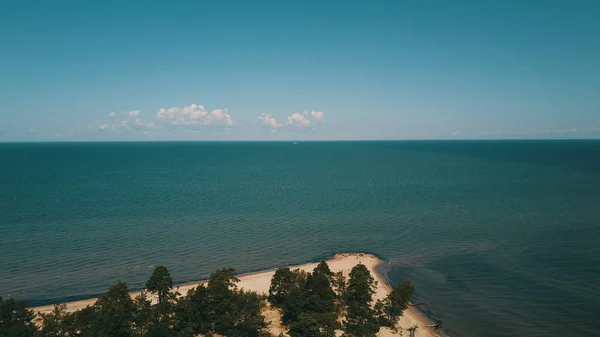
x=318, y=115
x=138, y=125
x=549, y=130
x=193, y=117
x=566, y=130
x=103, y=127
x=132, y=113
x=299, y=120
x=269, y=121
x=534, y=130
x=112, y=114
x=31, y=130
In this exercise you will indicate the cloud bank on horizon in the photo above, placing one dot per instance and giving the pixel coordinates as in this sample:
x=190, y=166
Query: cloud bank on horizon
x=297, y=121
x=195, y=117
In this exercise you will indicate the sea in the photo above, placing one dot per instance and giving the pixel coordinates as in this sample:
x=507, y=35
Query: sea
x=500, y=238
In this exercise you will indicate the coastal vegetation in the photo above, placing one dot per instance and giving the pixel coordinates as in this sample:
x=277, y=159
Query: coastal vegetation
x=311, y=304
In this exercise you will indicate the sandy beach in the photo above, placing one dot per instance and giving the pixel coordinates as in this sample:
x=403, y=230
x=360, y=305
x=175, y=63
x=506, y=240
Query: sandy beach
x=260, y=282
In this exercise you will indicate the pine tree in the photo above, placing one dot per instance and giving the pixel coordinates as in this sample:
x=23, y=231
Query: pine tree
x=360, y=318
x=15, y=319
x=160, y=283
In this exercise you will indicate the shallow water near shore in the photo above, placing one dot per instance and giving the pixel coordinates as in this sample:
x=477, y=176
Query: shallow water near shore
x=500, y=237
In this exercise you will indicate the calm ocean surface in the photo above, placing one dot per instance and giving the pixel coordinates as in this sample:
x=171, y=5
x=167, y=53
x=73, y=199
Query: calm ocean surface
x=502, y=238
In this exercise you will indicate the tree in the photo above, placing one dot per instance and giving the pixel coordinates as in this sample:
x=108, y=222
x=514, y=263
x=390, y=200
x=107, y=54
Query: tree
x=289, y=293
x=397, y=301
x=246, y=316
x=323, y=269
x=220, y=290
x=113, y=313
x=318, y=297
x=83, y=321
x=58, y=323
x=160, y=283
x=192, y=313
x=231, y=312
x=361, y=285
x=360, y=318
x=16, y=319
x=222, y=280
x=282, y=285
x=360, y=321
x=339, y=283
x=305, y=326
x=142, y=315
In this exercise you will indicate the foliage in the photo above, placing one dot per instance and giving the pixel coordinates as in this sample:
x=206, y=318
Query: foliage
x=287, y=292
x=339, y=283
x=246, y=317
x=397, y=301
x=361, y=319
x=282, y=286
x=193, y=313
x=160, y=283
x=113, y=313
x=361, y=285
x=58, y=323
x=318, y=295
x=323, y=269
x=311, y=305
x=142, y=315
x=15, y=319
x=306, y=325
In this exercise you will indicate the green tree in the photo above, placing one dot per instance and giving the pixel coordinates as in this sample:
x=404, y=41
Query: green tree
x=339, y=283
x=16, y=319
x=323, y=269
x=58, y=323
x=113, y=313
x=361, y=320
x=142, y=315
x=160, y=283
x=295, y=299
x=318, y=295
x=220, y=289
x=282, y=285
x=247, y=319
x=232, y=312
x=160, y=328
x=361, y=285
x=306, y=325
x=222, y=281
x=84, y=322
x=192, y=312
x=397, y=301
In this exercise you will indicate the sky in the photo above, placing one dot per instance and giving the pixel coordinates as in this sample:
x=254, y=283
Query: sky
x=298, y=70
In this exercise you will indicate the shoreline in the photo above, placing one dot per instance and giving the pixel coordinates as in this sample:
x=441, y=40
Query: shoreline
x=259, y=281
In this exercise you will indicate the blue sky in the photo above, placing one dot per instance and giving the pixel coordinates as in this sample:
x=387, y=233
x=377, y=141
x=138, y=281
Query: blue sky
x=278, y=70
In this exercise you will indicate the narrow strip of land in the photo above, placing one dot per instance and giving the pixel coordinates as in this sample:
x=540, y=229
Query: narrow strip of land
x=260, y=282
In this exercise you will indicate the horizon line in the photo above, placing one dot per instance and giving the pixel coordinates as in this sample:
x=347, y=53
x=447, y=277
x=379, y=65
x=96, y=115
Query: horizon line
x=301, y=141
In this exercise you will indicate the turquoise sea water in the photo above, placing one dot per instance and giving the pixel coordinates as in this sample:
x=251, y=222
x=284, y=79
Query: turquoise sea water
x=501, y=238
